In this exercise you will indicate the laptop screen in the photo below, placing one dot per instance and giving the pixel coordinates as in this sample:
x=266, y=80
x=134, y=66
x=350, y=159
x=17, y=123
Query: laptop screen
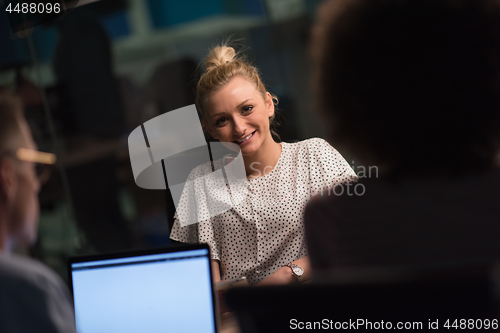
x=154, y=292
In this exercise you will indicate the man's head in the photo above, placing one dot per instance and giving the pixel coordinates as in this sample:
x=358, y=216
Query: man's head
x=19, y=185
x=412, y=84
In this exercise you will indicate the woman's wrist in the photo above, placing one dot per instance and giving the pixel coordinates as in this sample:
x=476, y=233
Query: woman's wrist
x=282, y=275
x=296, y=271
x=288, y=276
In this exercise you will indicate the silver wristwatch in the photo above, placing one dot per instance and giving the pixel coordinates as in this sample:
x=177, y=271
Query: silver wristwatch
x=297, y=271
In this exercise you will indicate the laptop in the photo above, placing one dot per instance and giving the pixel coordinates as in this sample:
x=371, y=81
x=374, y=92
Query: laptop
x=160, y=290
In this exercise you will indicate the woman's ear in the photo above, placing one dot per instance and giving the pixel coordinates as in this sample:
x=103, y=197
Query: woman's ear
x=269, y=104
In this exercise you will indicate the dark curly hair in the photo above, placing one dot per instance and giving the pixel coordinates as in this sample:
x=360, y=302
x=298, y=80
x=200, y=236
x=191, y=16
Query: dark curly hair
x=411, y=84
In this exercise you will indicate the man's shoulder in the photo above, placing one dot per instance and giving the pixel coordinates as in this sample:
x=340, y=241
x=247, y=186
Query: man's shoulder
x=25, y=270
x=321, y=203
x=33, y=298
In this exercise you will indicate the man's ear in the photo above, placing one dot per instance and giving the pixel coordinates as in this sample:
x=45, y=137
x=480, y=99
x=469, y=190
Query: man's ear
x=269, y=104
x=8, y=180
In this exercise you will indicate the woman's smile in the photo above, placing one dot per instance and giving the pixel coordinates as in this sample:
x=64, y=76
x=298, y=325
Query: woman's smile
x=245, y=140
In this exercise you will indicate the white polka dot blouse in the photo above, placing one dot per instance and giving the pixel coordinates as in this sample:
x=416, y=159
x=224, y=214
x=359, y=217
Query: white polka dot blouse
x=265, y=231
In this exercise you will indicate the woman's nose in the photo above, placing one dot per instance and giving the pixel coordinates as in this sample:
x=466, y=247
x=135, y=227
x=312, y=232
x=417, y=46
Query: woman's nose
x=239, y=127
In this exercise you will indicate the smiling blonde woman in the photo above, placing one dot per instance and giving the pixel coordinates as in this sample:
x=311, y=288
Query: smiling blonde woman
x=261, y=238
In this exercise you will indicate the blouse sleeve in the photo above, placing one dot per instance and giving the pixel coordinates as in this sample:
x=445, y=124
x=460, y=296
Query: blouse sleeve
x=194, y=233
x=201, y=232
x=327, y=167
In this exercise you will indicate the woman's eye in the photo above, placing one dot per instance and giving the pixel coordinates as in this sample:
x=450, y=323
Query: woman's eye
x=247, y=108
x=220, y=121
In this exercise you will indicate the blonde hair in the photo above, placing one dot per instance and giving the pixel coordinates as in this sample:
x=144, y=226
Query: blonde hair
x=222, y=64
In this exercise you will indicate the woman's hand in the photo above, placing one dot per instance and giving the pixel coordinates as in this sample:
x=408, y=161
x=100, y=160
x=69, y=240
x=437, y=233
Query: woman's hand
x=284, y=274
x=215, y=270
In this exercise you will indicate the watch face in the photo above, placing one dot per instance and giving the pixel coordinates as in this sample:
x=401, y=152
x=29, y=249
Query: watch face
x=298, y=271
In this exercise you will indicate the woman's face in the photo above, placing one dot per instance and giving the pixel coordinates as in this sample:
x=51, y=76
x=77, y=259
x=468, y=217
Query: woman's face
x=239, y=113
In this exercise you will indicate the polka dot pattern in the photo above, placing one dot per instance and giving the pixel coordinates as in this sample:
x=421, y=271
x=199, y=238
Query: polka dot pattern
x=265, y=231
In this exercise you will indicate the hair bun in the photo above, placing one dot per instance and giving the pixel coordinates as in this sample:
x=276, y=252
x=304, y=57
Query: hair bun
x=219, y=56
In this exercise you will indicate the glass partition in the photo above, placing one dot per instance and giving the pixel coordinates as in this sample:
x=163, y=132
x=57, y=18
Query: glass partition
x=91, y=76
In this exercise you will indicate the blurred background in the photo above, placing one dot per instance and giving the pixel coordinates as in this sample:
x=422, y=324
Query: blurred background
x=90, y=77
